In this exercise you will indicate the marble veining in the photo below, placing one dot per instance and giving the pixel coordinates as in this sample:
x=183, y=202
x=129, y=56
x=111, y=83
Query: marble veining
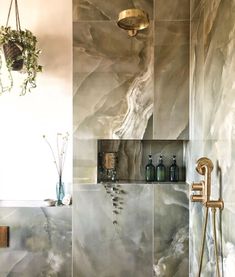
x=113, y=88
x=169, y=10
x=97, y=10
x=212, y=122
x=40, y=242
x=170, y=87
x=147, y=227
x=171, y=230
x=102, y=248
x=127, y=88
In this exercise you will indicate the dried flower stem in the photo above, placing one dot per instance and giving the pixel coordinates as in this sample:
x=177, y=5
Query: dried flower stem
x=61, y=152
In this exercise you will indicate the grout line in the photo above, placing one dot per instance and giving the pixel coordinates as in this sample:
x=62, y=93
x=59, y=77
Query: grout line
x=114, y=21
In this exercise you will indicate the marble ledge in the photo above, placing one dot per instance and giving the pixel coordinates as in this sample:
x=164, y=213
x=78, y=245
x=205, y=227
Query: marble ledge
x=97, y=186
x=141, y=182
x=28, y=204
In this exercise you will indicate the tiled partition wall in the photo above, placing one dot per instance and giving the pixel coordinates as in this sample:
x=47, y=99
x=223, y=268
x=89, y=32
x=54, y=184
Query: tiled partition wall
x=129, y=89
x=147, y=237
x=212, y=121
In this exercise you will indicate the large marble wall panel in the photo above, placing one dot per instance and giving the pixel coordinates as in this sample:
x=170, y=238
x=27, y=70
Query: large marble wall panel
x=222, y=186
x=104, y=248
x=197, y=76
x=219, y=65
x=88, y=10
x=113, y=87
x=150, y=236
x=40, y=242
x=172, y=10
x=171, y=230
x=133, y=156
x=114, y=80
x=194, y=6
x=213, y=101
x=171, y=71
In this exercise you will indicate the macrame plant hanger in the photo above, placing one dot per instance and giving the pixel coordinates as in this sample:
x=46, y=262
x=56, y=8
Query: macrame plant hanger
x=12, y=50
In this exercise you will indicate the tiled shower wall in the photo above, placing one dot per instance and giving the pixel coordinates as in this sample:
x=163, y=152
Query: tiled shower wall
x=128, y=88
x=149, y=237
x=212, y=124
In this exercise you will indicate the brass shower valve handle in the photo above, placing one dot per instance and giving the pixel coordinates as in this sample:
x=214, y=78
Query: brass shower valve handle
x=197, y=186
x=197, y=198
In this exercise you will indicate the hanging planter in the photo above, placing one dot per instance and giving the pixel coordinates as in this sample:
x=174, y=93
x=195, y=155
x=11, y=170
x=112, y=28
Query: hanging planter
x=20, y=51
x=13, y=55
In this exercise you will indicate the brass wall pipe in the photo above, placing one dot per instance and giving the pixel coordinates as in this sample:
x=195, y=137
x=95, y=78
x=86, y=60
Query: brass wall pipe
x=204, y=167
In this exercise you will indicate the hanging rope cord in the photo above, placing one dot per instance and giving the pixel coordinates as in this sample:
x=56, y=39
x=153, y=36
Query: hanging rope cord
x=17, y=15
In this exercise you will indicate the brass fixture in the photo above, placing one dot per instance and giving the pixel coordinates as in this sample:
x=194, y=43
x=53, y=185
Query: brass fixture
x=4, y=236
x=133, y=20
x=204, y=167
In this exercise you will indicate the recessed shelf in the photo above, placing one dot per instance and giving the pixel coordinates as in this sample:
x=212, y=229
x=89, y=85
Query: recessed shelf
x=132, y=157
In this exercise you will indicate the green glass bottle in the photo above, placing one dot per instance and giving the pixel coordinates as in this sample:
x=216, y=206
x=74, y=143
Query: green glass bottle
x=160, y=171
x=150, y=170
x=174, y=171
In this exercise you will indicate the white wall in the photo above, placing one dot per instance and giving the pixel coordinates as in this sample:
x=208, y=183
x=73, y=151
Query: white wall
x=26, y=168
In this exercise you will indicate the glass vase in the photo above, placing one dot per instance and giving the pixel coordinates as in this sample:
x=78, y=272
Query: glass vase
x=60, y=192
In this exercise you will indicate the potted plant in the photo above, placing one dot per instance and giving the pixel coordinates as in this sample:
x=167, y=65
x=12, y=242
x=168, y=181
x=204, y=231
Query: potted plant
x=20, y=51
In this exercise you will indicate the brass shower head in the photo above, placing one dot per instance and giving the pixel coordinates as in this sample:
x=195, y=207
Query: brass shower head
x=133, y=20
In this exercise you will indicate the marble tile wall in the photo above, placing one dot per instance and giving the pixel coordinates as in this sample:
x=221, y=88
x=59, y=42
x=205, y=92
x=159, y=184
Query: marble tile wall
x=133, y=156
x=123, y=88
x=212, y=124
x=171, y=70
x=113, y=84
x=151, y=228
x=171, y=230
x=40, y=242
x=102, y=248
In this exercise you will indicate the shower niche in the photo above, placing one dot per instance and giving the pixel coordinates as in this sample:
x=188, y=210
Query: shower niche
x=128, y=158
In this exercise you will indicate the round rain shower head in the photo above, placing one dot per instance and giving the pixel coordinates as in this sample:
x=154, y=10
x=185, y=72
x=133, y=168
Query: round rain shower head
x=133, y=20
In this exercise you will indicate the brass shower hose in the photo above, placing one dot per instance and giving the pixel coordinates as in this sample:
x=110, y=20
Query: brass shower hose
x=215, y=241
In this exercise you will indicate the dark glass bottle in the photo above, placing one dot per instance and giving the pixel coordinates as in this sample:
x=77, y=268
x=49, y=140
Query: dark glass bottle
x=160, y=171
x=149, y=170
x=174, y=171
